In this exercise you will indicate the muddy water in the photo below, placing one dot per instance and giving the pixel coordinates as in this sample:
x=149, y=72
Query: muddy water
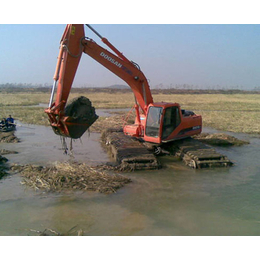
x=172, y=201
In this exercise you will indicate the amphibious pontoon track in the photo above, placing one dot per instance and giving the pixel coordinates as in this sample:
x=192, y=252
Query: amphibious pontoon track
x=128, y=151
x=132, y=154
x=198, y=155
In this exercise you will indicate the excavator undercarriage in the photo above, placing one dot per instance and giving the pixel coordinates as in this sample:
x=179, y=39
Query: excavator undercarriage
x=132, y=154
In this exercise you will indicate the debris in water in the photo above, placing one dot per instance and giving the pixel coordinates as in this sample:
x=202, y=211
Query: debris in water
x=220, y=139
x=3, y=159
x=70, y=176
x=3, y=166
x=52, y=232
x=8, y=137
x=4, y=151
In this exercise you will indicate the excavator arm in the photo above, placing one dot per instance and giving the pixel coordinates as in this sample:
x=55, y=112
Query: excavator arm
x=73, y=44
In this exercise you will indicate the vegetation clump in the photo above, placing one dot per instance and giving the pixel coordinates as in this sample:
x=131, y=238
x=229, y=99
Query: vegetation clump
x=8, y=137
x=2, y=173
x=3, y=167
x=116, y=121
x=220, y=139
x=70, y=176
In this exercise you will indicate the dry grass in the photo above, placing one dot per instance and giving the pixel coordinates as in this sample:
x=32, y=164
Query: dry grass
x=111, y=100
x=23, y=99
x=227, y=112
x=28, y=115
x=234, y=121
x=231, y=112
x=116, y=121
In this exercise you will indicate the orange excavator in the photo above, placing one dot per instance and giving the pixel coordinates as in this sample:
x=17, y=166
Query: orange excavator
x=155, y=123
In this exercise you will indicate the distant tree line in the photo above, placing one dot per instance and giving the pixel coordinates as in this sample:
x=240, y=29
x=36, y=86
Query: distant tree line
x=207, y=87
x=24, y=85
x=167, y=89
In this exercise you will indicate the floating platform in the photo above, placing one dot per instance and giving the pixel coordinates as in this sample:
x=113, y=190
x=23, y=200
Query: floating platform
x=131, y=154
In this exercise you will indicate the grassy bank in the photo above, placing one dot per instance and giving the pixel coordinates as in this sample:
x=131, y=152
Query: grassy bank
x=229, y=112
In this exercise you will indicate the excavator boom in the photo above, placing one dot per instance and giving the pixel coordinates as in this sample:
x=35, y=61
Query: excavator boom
x=157, y=123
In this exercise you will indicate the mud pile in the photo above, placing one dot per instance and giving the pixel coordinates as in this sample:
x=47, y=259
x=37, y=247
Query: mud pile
x=4, y=151
x=2, y=173
x=8, y=137
x=70, y=176
x=81, y=110
x=3, y=160
x=80, y=116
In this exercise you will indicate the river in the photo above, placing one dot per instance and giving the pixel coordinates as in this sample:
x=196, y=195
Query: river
x=172, y=201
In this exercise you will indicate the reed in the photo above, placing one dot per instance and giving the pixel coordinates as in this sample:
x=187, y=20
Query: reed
x=70, y=176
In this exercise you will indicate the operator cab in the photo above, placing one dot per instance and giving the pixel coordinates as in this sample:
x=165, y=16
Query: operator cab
x=166, y=122
x=171, y=119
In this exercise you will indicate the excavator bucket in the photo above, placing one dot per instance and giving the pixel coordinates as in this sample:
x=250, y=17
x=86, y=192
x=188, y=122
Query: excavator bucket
x=78, y=116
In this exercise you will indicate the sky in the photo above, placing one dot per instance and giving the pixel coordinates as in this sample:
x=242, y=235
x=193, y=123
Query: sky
x=169, y=54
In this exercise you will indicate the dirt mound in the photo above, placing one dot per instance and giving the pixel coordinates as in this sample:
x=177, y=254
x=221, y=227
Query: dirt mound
x=8, y=137
x=70, y=176
x=220, y=139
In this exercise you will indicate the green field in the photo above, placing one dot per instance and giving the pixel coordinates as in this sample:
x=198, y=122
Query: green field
x=229, y=112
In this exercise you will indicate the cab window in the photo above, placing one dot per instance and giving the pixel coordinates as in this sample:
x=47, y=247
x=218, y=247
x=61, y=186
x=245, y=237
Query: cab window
x=171, y=120
x=153, y=121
